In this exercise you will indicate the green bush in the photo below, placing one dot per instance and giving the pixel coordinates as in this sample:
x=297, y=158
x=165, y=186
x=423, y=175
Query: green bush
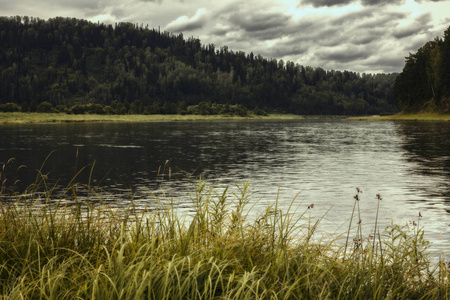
x=169, y=108
x=78, y=109
x=45, y=107
x=241, y=110
x=10, y=107
x=154, y=109
x=259, y=112
x=95, y=108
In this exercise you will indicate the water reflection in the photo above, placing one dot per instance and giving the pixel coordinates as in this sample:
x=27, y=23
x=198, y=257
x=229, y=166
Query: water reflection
x=323, y=160
x=427, y=150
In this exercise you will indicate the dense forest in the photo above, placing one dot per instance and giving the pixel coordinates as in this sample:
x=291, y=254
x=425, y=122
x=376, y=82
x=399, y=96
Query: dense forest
x=73, y=65
x=424, y=83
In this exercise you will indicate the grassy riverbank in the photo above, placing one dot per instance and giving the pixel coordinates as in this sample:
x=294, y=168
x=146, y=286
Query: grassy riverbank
x=75, y=249
x=405, y=117
x=17, y=117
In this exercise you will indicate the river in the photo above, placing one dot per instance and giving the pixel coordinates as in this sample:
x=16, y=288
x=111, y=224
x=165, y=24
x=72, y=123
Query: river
x=323, y=161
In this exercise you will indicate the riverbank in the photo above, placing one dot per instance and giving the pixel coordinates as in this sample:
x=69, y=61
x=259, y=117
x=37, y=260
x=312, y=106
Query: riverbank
x=405, y=117
x=17, y=117
x=75, y=249
x=23, y=118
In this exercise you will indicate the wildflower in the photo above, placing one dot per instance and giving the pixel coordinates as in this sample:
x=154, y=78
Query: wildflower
x=357, y=242
x=379, y=197
x=311, y=206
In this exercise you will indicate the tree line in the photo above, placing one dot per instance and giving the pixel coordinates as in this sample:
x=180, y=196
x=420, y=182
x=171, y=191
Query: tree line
x=69, y=63
x=424, y=83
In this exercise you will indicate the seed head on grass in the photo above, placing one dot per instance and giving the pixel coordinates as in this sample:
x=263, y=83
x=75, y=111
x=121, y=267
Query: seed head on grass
x=218, y=250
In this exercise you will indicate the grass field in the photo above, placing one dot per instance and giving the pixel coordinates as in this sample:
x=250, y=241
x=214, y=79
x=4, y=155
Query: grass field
x=55, y=244
x=18, y=117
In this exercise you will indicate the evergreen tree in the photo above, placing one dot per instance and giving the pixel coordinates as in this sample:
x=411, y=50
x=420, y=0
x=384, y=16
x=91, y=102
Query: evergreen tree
x=67, y=62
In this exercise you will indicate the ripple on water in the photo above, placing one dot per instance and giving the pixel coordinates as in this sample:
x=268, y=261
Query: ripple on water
x=408, y=163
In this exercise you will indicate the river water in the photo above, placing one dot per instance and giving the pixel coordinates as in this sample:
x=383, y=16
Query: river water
x=323, y=161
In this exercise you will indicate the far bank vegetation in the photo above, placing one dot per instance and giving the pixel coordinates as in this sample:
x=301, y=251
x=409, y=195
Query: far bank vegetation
x=74, y=65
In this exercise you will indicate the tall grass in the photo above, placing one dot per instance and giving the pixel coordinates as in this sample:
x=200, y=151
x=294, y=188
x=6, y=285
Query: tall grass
x=51, y=248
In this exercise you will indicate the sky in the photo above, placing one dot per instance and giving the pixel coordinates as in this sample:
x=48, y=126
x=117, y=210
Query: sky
x=366, y=36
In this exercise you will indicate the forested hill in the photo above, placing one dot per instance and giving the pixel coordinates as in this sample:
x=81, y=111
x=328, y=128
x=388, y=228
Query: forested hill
x=128, y=68
x=424, y=83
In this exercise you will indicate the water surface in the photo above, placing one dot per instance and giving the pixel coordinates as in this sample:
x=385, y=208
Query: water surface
x=408, y=163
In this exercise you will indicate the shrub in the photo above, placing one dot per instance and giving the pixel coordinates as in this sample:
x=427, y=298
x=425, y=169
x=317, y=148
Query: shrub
x=78, y=109
x=95, y=108
x=241, y=110
x=45, y=107
x=154, y=109
x=10, y=107
x=259, y=112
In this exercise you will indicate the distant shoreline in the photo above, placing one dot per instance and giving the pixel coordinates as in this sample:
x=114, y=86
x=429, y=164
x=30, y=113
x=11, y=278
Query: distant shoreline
x=27, y=118
x=404, y=117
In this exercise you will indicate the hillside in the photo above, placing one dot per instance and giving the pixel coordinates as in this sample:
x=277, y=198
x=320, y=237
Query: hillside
x=74, y=65
x=424, y=83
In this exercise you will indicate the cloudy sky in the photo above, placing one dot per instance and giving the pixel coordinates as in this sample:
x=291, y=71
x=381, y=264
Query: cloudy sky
x=360, y=35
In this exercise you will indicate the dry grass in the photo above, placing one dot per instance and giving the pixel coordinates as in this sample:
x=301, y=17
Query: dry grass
x=17, y=117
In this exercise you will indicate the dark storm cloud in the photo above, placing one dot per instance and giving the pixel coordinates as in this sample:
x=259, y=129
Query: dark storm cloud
x=329, y=3
x=361, y=39
x=260, y=22
x=158, y=1
x=406, y=31
x=381, y=2
x=414, y=45
x=345, y=54
x=220, y=31
x=424, y=19
x=184, y=27
x=367, y=36
x=420, y=24
x=85, y=4
x=360, y=35
x=339, y=42
x=320, y=3
x=384, y=20
x=288, y=50
x=349, y=18
x=252, y=22
x=393, y=62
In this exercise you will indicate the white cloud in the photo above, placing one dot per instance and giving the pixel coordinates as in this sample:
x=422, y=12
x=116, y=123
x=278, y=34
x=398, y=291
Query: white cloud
x=358, y=35
x=184, y=23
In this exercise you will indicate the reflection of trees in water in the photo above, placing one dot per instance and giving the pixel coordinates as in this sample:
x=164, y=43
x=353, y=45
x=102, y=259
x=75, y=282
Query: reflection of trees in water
x=126, y=154
x=428, y=144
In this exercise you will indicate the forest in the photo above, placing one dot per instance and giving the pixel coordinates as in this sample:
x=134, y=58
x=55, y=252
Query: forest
x=76, y=66
x=424, y=83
